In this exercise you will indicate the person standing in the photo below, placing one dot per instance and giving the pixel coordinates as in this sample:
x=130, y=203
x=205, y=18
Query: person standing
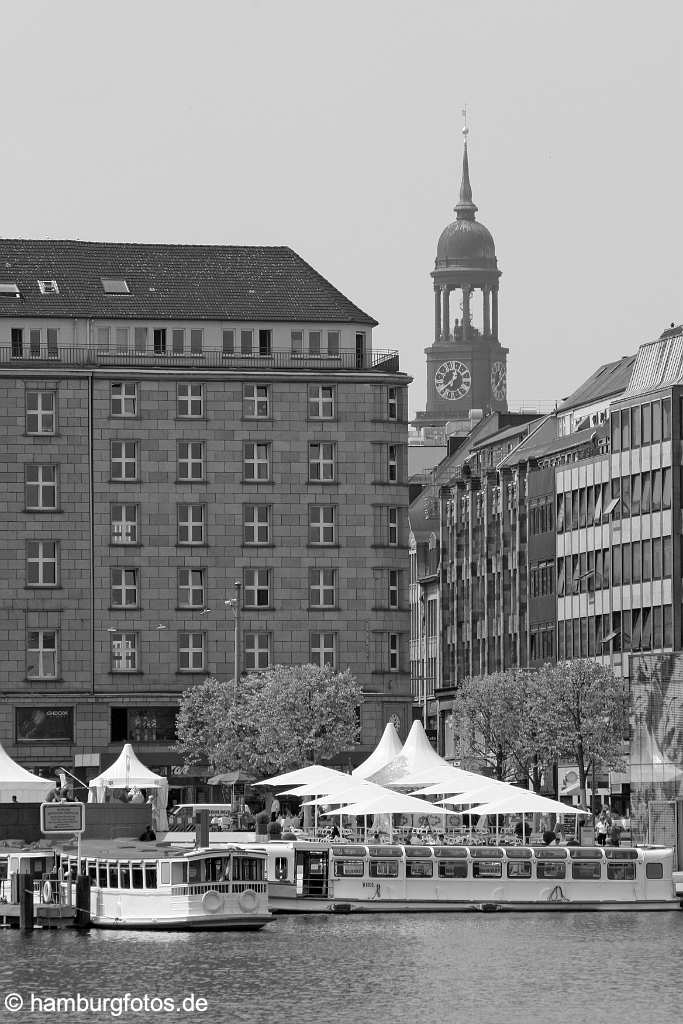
x=602, y=826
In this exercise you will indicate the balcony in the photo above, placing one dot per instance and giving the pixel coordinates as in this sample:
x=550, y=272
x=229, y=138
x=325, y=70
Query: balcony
x=89, y=358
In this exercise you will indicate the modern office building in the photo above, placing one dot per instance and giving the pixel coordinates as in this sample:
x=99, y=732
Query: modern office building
x=185, y=426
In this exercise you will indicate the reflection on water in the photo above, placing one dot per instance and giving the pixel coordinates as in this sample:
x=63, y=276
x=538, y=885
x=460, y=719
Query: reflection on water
x=388, y=969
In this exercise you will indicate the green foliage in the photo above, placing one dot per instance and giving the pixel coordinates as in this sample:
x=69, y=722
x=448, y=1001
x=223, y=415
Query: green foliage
x=283, y=718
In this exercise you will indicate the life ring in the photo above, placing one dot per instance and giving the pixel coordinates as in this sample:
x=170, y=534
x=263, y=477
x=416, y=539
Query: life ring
x=47, y=891
x=212, y=901
x=248, y=900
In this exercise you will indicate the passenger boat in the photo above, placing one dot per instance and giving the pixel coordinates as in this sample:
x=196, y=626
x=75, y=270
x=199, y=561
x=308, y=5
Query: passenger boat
x=146, y=885
x=27, y=860
x=343, y=878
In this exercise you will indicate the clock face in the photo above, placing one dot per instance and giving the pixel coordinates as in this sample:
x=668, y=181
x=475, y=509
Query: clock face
x=453, y=379
x=498, y=381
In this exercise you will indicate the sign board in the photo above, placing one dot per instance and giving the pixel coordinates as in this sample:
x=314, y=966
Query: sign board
x=65, y=818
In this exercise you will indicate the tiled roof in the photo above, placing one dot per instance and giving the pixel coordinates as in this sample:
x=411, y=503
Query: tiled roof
x=170, y=282
x=607, y=381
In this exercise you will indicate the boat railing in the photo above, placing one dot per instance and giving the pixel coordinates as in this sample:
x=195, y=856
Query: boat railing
x=199, y=888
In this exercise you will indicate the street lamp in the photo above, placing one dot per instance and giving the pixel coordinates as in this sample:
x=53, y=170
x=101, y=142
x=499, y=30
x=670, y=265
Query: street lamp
x=234, y=603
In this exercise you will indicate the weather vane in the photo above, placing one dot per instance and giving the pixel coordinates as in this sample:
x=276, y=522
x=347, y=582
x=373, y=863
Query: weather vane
x=465, y=129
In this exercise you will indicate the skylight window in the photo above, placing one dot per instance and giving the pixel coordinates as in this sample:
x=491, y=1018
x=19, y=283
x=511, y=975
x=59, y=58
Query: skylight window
x=115, y=286
x=9, y=289
x=48, y=287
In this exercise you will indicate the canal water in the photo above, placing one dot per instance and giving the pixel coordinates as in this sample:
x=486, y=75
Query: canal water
x=602, y=968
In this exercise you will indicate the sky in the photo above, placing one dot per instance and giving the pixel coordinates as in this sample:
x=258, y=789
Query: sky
x=335, y=128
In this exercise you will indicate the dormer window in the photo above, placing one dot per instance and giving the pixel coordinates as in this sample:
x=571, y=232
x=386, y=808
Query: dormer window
x=48, y=287
x=9, y=290
x=115, y=286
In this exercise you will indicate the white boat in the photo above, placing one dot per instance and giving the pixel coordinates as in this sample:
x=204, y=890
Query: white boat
x=153, y=886
x=344, y=878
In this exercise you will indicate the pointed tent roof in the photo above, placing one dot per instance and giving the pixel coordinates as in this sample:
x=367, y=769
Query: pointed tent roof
x=128, y=770
x=19, y=782
x=417, y=755
x=387, y=749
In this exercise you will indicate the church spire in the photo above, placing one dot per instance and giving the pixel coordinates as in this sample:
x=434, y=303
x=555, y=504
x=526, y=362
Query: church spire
x=465, y=209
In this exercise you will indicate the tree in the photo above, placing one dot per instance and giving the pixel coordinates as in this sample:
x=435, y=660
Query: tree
x=580, y=709
x=495, y=726
x=283, y=718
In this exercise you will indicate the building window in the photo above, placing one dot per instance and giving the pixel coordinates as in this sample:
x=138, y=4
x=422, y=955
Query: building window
x=393, y=652
x=143, y=724
x=140, y=339
x=40, y=412
x=17, y=336
x=190, y=401
x=392, y=525
x=321, y=461
x=256, y=588
x=159, y=338
x=41, y=488
x=115, y=286
x=124, y=398
x=41, y=654
x=124, y=652
x=256, y=651
x=48, y=287
x=124, y=588
x=393, y=463
x=124, y=524
x=228, y=342
x=256, y=401
x=191, y=588
x=256, y=524
x=41, y=563
x=246, y=342
x=321, y=524
x=190, y=652
x=393, y=588
x=256, y=461
x=196, y=341
x=297, y=340
x=190, y=460
x=323, y=649
x=392, y=403
x=321, y=401
x=191, y=528
x=264, y=341
x=321, y=588
x=124, y=460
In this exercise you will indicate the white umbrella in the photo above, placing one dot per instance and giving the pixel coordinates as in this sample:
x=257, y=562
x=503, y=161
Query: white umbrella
x=390, y=802
x=527, y=803
x=480, y=794
x=311, y=773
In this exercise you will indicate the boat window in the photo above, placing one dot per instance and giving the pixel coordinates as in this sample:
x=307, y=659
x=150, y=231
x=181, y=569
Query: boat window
x=165, y=873
x=451, y=852
x=519, y=869
x=654, y=869
x=92, y=872
x=217, y=869
x=586, y=871
x=553, y=854
x=419, y=869
x=178, y=872
x=489, y=852
x=453, y=869
x=194, y=872
x=113, y=876
x=518, y=853
x=624, y=872
x=348, y=851
x=38, y=866
x=585, y=853
x=136, y=874
x=151, y=875
x=486, y=869
x=620, y=853
x=417, y=852
x=384, y=868
x=281, y=869
x=3, y=871
x=102, y=876
x=349, y=868
x=385, y=851
x=124, y=872
x=551, y=870
x=247, y=869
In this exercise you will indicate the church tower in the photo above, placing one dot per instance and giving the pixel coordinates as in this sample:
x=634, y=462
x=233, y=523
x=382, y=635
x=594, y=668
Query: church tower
x=466, y=364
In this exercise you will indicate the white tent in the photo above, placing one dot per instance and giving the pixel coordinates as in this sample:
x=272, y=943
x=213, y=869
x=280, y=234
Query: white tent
x=387, y=749
x=417, y=755
x=311, y=773
x=126, y=771
x=17, y=781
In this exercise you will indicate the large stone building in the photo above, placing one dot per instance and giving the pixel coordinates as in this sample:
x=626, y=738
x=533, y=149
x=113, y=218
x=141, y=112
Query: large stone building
x=185, y=426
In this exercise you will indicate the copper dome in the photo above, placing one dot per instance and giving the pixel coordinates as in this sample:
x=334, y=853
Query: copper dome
x=466, y=243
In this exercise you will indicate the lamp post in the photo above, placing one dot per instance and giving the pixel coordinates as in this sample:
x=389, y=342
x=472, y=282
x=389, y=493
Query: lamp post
x=235, y=604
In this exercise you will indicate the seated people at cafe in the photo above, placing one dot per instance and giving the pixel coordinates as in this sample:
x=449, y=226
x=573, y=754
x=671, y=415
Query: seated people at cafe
x=148, y=836
x=548, y=837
